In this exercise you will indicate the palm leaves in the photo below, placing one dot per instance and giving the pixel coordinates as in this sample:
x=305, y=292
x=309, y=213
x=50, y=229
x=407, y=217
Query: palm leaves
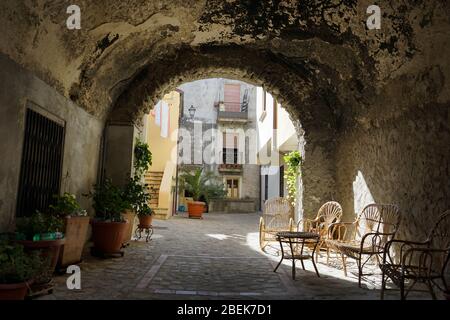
x=201, y=183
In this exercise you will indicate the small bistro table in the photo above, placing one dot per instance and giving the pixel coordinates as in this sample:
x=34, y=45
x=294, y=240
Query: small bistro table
x=296, y=240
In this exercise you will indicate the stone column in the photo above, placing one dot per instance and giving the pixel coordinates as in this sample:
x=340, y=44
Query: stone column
x=317, y=183
x=118, y=152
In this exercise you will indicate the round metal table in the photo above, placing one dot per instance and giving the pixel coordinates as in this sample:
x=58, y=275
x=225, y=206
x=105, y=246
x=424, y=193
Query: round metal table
x=297, y=242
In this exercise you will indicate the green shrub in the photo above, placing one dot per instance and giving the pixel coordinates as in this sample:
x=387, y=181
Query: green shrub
x=293, y=161
x=137, y=196
x=38, y=224
x=16, y=266
x=109, y=201
x=142, y=158
x=67, y=205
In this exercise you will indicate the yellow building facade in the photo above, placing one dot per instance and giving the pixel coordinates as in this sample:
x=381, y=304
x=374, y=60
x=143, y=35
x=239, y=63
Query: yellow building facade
x=161, y=135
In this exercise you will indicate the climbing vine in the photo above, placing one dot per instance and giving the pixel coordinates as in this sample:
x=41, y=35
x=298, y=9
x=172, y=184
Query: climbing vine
x=142, y=158
x=293, y=161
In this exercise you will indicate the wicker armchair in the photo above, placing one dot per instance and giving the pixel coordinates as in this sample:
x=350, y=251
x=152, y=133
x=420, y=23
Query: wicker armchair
x=329, y=213
x=424, y=262
x=277, y=216
x=366, y=236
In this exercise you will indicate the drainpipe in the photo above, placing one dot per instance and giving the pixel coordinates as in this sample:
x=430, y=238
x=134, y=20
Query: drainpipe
x=180, y=115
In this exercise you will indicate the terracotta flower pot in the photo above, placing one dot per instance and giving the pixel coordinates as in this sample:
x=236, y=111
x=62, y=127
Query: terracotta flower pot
x=129, y=215
x=145, y=221
x=14, y=291
x=108, y=236
x=48, y=248
x=196, y=209
x=76, y=233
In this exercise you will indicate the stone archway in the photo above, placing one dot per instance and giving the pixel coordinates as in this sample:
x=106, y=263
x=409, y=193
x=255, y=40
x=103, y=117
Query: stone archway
x=315, y=120
x=373, y=103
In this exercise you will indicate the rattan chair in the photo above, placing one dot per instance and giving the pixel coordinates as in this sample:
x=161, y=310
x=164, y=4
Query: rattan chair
x=366, y=237
x=277, y=216
x=412, y=261
x=329, y=213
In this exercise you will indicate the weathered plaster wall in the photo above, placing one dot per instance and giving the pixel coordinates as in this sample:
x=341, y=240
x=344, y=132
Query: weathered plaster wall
x=316, y=57
x=118, y=152
x=82, y=139
x=405, y=161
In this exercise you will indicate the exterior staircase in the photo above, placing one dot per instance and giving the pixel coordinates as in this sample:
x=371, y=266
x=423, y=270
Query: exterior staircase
x=153, y=180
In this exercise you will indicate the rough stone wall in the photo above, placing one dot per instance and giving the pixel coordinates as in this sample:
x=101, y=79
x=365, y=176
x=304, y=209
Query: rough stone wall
x=82, y=137
x=318, y=173
x=405, y=161
x=316, y=57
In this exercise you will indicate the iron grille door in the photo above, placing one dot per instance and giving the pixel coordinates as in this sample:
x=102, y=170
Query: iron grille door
x=41, y=167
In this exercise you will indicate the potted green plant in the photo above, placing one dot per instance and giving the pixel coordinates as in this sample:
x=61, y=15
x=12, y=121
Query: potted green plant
x=137, y=196
x=145, y=214
x=108, y=225
x=76, y=223
x=17, y=270
x=200, y=185
x=41, y=233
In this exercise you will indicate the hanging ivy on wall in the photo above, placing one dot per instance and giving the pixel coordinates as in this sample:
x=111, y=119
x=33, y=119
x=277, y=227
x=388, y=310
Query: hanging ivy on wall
x=293, y=162
x=142, y=158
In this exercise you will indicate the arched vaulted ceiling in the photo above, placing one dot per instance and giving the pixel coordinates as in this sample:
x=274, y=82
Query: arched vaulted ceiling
x=317, y=57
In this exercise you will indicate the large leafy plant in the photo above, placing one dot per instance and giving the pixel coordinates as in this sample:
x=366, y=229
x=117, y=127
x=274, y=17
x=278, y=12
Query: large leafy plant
x=293, y=161
x=67, y=205
x=16, y=266
x=202, y=184
x=109, y=201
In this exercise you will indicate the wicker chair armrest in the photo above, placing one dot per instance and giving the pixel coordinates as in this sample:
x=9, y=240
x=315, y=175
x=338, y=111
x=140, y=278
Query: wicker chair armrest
x=377, y=239
x=341, y=228
x=423, y=259
x=403, y=244
x=305, y=222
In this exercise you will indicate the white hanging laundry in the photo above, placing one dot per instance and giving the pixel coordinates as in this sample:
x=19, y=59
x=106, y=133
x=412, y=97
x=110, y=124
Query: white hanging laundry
x=158, y=114
x=164, y=119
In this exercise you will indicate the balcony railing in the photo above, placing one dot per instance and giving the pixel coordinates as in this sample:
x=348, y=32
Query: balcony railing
x=232, y=112
x=230, y=168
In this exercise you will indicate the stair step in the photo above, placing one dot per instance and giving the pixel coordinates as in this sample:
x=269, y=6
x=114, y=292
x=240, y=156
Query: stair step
x=161, y=213
x=154, y=174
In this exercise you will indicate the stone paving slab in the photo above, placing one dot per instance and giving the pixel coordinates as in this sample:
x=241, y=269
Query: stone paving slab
x=217, y=257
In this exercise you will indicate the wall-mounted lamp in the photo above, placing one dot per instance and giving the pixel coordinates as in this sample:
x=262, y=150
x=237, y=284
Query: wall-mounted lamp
x=192, y=111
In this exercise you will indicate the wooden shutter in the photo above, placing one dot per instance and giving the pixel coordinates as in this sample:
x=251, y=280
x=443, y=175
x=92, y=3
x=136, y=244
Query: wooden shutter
x=232, y=97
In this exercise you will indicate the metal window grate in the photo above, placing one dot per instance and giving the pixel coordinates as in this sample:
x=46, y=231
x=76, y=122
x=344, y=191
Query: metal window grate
x=41, y=167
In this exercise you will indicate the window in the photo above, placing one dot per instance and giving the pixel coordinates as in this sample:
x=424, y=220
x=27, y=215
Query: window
x=282, y=181
x=232, y=187
x=232, y=97
x=264, y=100
x=230, y=148
x=41, y=166
x=266, y=187
x=230, y=156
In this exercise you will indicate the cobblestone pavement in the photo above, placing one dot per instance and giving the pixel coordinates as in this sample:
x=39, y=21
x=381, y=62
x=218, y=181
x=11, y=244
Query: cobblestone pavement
x=214, y=258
